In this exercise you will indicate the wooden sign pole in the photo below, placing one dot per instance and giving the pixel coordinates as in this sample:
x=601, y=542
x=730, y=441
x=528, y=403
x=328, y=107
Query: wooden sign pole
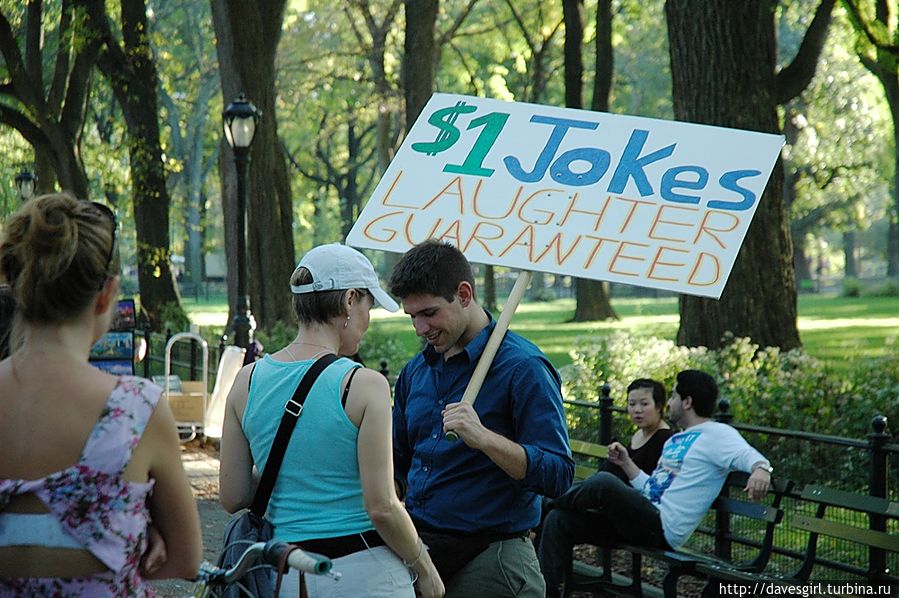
x=496, y=337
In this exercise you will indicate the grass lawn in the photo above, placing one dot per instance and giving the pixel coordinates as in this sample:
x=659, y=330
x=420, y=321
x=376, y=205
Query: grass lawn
x=834, y=329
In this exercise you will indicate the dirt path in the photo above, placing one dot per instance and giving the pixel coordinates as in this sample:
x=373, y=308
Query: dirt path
x=201, y=464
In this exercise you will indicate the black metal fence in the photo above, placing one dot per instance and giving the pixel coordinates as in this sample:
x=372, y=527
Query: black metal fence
x=186, y=357
x=859, y=465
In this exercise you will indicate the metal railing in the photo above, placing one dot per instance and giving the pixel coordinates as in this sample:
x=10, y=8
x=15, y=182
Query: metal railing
x=185, y=359
x=844, y=456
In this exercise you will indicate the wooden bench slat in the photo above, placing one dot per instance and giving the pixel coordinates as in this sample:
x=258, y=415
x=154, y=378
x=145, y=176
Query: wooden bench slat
x=752, y=510
x=582, y=472
x=591, y=449
x=846, y=532
x=850, y=500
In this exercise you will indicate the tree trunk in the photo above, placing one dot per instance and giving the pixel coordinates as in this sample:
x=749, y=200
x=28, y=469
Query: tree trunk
x=419, y=51
x=891, y=86
x=247, y=35
x=350, y=201
x=801, y=266
x=131, y=73
x=723, y=56
x=489, y=289
x=187, y=144
x=800, y=260
x=419, y=70
x=591, y=296
x=851, y=268
x=573, y=11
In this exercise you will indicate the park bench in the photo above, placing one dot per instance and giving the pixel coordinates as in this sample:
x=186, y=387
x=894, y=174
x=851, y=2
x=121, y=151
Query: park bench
x=859, y=521
x=729, y=510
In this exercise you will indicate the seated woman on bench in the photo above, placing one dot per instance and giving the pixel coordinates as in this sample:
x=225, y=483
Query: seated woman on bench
x=645, y=407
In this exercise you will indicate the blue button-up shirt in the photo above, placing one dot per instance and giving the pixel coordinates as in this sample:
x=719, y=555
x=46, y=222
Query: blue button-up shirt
x=457, y=488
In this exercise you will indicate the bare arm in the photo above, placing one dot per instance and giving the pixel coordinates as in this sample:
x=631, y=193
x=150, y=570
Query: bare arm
x=172, y=506
x=375, y=452
x=237, y=484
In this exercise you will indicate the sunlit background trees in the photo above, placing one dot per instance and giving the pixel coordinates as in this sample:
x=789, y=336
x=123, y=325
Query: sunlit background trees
x=123, y=100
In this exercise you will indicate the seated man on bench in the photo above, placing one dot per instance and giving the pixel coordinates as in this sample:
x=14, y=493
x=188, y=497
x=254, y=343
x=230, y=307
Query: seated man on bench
x=663, y=509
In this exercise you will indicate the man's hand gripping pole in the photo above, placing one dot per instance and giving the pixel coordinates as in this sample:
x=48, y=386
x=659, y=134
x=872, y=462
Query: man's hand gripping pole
x=496, y=337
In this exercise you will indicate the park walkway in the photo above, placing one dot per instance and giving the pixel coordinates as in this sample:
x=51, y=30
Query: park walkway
x=202, y=466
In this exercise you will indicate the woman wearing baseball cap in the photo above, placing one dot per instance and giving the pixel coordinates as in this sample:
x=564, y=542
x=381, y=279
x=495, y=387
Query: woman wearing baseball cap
x=334, y=494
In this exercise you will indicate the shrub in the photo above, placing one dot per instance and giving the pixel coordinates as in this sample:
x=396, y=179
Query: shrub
x=378, y=346
x=888, y=289
x=851, y=287
x=765, y=387
x=276, y=337
x=173, y=317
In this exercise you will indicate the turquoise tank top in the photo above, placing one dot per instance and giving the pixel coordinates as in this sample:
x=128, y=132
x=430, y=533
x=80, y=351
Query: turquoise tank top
x=318, y=492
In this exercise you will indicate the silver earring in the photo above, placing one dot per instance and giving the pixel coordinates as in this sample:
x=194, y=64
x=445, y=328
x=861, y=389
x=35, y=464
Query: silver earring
x=347, y=323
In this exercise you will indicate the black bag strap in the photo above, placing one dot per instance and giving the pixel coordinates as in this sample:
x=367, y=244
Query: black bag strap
x=346, y=390
x=292, y=411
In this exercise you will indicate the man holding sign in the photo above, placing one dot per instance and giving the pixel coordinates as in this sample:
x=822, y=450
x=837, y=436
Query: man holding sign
x=535, y=188
x=474, y=500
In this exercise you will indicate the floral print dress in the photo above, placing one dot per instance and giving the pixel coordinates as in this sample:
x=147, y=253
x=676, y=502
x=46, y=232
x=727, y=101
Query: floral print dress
x=103, y=512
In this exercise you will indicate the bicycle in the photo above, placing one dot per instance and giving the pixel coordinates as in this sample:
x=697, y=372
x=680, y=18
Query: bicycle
x=211, y=580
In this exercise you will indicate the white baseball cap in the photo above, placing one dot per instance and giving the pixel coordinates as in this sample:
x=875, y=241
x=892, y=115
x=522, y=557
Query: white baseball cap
x=337, y=267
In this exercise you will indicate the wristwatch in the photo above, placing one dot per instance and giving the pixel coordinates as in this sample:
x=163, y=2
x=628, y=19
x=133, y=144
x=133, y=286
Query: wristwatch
x=767, y=468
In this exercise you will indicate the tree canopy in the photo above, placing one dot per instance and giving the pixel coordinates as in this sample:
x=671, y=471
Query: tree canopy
x=123, y=99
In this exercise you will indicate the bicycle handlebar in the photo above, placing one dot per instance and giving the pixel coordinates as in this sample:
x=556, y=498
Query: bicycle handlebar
x=270, y=553
x=307, y=562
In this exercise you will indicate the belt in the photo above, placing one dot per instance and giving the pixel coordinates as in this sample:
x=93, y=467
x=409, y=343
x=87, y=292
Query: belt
x=334, y=548
x=488, y=536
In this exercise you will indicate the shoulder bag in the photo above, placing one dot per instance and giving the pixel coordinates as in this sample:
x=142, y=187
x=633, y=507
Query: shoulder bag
x=252, y=526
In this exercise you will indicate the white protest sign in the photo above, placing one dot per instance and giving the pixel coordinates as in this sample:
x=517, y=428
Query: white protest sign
x=636, y=200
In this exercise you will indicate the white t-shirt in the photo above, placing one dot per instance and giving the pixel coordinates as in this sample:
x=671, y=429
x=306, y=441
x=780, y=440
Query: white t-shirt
x=690, y=474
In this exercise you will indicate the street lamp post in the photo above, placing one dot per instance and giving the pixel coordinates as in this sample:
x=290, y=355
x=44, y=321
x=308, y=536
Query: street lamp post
x=240, y=120
x=25, y=184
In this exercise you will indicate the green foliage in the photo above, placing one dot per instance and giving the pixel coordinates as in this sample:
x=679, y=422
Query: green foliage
x=851, y=288
x=620, y=357
x=765, y=386
x=888, y=289
x=379, y=346
x=279, y=335
x=173, y=317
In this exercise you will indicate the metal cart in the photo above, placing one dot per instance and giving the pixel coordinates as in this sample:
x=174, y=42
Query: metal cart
x=189, y=406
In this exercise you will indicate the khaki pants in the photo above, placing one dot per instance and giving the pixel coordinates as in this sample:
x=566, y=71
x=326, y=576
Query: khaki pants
x=505, y=568
x=376, y=572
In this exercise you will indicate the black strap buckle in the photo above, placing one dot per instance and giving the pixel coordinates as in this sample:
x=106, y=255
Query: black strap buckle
x=293, y=408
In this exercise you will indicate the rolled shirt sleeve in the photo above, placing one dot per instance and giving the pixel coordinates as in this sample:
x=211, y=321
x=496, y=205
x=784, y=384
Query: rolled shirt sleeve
x=539, y=417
